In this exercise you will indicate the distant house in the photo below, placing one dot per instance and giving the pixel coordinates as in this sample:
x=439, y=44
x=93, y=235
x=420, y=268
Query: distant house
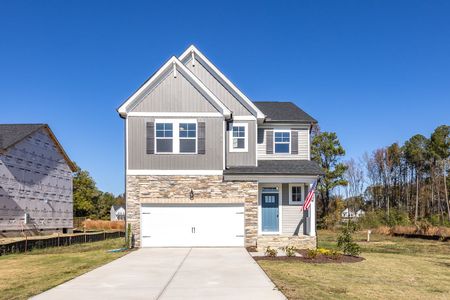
x=35, y=181
x=351, y=214
x=117, y=213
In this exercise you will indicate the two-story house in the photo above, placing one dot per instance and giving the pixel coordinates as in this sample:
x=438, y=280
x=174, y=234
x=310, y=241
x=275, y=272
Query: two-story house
x=205, y=166
x=35, y=181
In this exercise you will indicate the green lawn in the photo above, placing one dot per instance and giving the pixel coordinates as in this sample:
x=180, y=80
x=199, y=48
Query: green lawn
x=25, y=275
x=395, y=268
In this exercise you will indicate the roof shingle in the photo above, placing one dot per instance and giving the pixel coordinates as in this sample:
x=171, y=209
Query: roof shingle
x=283, y=112
x=278, y=167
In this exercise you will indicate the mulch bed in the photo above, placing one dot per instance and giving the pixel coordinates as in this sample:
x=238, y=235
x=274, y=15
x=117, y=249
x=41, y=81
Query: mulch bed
x=319, y=259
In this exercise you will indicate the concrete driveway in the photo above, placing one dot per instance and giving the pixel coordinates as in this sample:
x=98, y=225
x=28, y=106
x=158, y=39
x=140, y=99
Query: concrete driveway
x=168, y=273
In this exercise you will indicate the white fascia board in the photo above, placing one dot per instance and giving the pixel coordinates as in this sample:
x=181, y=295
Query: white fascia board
x=175, y=172
x=124, y=109
x=224, y=80
x=174, y=114
x=244, y=118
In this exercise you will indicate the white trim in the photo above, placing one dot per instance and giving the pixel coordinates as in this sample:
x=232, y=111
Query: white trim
x=302, y=186
x=232, y=149
x=224, y=140
x=129, y=104
x=224, y=80
x=176, y=135
x=174, y=114
x=244, y=118
x=175, y=172
x=280, y=208
x=289, y=144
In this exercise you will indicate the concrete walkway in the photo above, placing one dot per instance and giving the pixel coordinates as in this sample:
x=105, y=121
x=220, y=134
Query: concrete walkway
x=168, y=273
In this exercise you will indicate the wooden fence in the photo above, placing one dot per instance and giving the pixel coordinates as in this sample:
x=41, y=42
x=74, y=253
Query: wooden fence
x=57, y=241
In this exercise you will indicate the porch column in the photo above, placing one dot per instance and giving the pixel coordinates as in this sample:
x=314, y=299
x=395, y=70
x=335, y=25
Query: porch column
x=312, y=217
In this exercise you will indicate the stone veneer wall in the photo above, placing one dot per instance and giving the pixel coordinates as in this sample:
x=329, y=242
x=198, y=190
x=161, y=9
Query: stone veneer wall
x=164, y=189
x=280, y=241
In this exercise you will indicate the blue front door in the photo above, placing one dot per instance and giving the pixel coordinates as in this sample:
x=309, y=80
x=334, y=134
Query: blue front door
x=269, y=212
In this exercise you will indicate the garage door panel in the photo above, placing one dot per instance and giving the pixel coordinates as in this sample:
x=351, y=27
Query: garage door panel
x=184, y=226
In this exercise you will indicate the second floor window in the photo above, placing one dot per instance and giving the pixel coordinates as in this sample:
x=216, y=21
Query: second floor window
x=164, y=137
x=176, y=136
x=282, y=141
x=239, y=138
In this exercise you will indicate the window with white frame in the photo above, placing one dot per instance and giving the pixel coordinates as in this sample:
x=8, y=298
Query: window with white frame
x=164, y=137
x=176, y=136
x=188, y=137
x=239, y=137
x=296, y=193
x=282, y=142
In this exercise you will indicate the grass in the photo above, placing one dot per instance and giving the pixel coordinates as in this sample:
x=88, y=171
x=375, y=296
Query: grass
x=395, y=268
x=27, y=274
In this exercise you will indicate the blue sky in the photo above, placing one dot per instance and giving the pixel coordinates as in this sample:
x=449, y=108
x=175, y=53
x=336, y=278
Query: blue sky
x=375, y=72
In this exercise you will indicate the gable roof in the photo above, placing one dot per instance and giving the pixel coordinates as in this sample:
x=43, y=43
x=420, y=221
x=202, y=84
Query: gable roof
x=222, y=79
x=11, y=134
x=284, y=112
x=172, y=64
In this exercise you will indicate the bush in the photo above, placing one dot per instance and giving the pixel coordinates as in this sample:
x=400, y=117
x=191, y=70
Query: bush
x=346, y=244
x=271, y=252
x=312, y=253
x=378, y=218
x=290, y=250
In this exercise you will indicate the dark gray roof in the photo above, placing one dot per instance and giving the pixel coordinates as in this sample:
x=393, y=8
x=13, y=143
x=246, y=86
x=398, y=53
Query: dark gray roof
x=278, y=167
x=283, y=112
x=11, y=134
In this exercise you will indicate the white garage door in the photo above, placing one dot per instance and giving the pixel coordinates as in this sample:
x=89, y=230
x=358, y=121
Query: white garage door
x=192, y=226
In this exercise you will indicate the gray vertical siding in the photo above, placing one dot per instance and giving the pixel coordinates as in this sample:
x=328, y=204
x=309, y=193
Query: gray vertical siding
x=174, y=94
x=243, y=158
x=217, y=88
x=138, y=159
x=35, y=179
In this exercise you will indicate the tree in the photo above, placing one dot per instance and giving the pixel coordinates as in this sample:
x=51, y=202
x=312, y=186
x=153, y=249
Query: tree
x=327, y=151
x=415, y=153
x=440, y=151
x=106, y=200
x=85, y=194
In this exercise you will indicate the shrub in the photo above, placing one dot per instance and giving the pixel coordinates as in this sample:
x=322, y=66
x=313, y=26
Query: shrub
x=312, y=253
x=290, y=250
x=271, y=252
x=346, y=244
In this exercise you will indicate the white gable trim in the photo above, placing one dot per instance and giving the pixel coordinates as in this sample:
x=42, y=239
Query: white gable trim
x=222, y=79
x=176, y=65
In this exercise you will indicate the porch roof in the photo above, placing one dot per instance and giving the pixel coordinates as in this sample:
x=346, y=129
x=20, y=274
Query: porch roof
x=278, y=167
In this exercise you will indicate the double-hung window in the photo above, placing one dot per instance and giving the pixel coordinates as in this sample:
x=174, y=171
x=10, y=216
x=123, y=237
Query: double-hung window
x=296, y=193
x=164, y=137
x=239, y=137
x=176, y=136
x=282, y=142
x=188, y=137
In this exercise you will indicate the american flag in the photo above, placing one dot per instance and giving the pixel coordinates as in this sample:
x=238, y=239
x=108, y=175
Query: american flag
x=310, y=195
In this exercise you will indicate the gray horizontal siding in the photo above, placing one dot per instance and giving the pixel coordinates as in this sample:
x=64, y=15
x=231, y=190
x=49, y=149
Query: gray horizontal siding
x=138, y=159
x=292, y=216
x=243, y=158
x=303, y=144
x=217, y=88
x=174, y=94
